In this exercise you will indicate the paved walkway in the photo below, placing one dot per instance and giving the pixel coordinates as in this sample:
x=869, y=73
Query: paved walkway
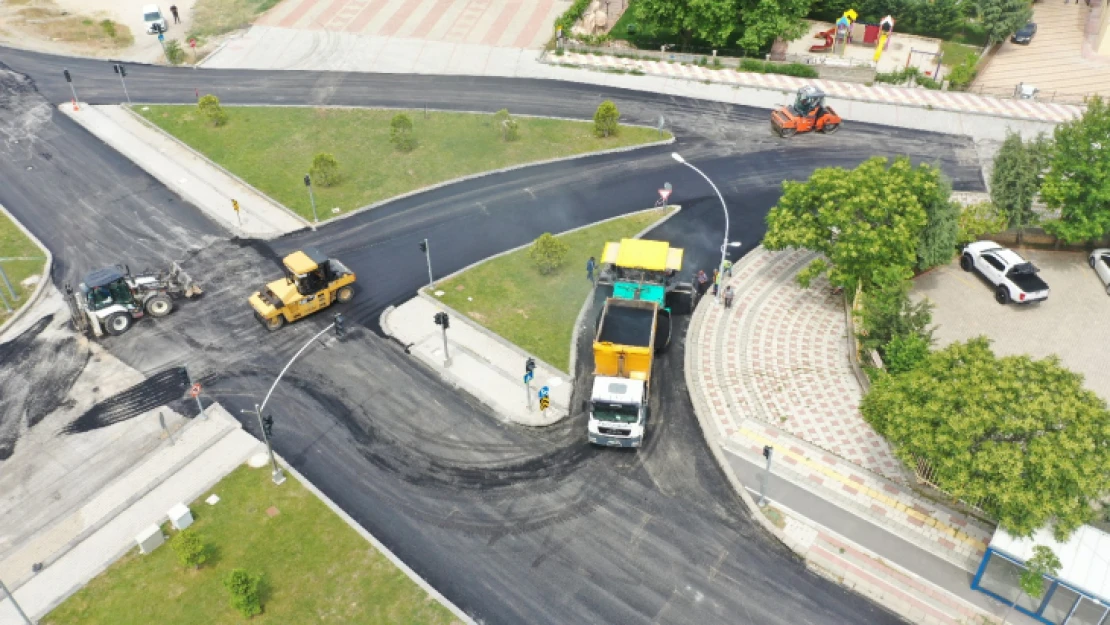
x=773, y=370
x=480, y=362
x=190, y=175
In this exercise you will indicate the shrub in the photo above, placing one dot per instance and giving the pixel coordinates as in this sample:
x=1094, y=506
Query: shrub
x=324, y=170
x=753, y=65
x=979, y=219
x=572, y=15
x=548, y=253
x=903, y=353
x=210, y=108
x=400, y=133
x=190, y=548
x=243, y=587
x=174, y=54
x=109, y=28
x=799, y=70
x=506, y=126
x=887, y=312
x=962, y=75
x=606, y=119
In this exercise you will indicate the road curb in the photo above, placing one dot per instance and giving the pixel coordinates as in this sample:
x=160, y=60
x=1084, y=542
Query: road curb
x=370, y=538
x=40, y=288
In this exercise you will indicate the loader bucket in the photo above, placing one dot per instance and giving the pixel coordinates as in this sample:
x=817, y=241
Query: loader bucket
x=182, y=282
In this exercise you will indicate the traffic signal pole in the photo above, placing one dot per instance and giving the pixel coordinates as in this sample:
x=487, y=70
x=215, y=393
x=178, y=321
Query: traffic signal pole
x=277, y=474
x=428, y=255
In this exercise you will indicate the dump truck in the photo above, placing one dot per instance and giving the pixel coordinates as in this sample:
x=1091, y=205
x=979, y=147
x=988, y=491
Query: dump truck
x=109, y=300
x=624, y=349
x=312, y=283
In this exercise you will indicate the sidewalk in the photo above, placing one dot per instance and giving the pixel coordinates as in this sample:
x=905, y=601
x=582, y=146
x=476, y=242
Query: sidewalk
x=187, y=173
x=482, y=363
x=979, y=117
x=203, y=453
x=773, y=370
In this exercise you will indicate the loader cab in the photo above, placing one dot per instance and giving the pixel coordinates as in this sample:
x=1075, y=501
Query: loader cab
x=810, y=102
x=107, y=287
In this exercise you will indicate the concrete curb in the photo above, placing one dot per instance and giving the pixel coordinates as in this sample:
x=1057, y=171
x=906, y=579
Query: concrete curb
x=134, y=497
x=370, y=538
x=414, y=192
x=129, y=110
x=40, y=288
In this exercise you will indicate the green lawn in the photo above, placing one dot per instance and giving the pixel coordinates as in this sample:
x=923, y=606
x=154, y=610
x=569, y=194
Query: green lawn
x=536, y=312
x=953, y=54
x=272, y=148
x=315, y=568
x=15, y=244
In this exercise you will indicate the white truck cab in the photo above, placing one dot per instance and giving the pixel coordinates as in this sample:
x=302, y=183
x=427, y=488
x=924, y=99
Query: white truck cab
x=153, y=19
x=618, y=412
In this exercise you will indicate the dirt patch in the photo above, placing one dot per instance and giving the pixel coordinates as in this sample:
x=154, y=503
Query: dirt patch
x=46, y=21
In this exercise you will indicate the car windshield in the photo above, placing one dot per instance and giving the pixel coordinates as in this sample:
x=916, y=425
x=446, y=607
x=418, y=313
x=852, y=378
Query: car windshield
x=1027, y=29
x=152, y=17
x=621, y=413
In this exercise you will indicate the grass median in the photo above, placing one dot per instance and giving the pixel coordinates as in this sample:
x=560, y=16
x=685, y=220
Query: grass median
x=315, y=568
x=510, y=297
x=272, y=148
x=15, y=244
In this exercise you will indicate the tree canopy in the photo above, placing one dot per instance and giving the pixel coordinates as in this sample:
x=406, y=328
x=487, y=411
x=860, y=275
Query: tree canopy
x=1016, y=178
x=1023, y=436
x=1078, y=178
x=752, y=24
x=860, y=220
x=1002, y=18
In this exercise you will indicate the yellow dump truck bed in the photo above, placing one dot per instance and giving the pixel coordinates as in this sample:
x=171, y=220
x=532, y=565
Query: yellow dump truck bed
x=625, y=343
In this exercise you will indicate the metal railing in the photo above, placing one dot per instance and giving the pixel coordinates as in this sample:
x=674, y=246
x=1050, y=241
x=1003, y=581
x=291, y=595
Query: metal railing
x=925, y=474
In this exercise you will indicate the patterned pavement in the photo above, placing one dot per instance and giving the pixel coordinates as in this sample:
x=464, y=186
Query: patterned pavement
x=941, y=100
x=500, y=23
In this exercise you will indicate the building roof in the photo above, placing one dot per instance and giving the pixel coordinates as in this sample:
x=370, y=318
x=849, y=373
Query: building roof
x=641, y=254
x=1084, y=557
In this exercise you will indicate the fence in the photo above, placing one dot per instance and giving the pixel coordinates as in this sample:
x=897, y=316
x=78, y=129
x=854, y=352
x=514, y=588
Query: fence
x=925, y=473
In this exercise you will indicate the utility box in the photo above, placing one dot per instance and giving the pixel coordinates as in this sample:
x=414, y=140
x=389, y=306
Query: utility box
x=180, y=516
x=150, y=539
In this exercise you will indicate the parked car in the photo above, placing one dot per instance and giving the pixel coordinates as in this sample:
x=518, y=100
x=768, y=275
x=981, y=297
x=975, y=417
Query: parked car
x=1025, y=35
x=1014, y=278
x=1099, y=260
x=152, y=17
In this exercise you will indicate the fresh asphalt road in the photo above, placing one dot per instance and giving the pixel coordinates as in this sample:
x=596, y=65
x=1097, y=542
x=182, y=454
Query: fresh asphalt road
x=513, y=525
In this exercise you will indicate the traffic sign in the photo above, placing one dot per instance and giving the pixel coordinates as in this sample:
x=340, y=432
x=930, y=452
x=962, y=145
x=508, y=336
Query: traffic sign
x=664, y=194
x=235, y=205
x=528, y=377
x=544, y=402
x=195, y=391
x=543, y=392
x=161, y=37
x=193, y=43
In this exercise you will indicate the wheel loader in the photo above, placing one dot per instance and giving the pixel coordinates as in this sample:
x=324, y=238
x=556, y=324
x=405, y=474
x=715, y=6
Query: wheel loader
x=808, y=112
x=109, y=300
x=312, y=282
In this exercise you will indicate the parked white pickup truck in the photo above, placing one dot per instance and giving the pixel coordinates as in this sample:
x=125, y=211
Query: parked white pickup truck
x=1014, y=278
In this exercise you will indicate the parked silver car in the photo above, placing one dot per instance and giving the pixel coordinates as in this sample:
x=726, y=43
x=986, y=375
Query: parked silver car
x=1099, y=260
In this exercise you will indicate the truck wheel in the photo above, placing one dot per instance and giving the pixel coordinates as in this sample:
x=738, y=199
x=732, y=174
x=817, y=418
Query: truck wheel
x=965, y=263
x=344, y=295
x=118, y=323
x=1001, y=295
x=274, y=324
x=786, y=133
x=830, y=128
x=159, y=305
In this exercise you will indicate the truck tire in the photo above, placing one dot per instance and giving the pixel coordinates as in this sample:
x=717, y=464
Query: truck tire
x=830, y=128
x=159, y=305
x=1002, y=295
x=273, y=324
x=786, y=133
x=965, y=263
x=662, y=331
x=118, y=323
x=345, y=294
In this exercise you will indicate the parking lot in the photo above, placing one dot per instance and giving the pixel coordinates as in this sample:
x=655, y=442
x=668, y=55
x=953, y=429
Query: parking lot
x=1071, y=323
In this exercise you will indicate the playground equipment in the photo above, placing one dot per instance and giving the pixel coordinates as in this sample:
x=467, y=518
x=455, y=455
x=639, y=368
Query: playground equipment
x=844, y=30
x=886, y=27
x=827, y=35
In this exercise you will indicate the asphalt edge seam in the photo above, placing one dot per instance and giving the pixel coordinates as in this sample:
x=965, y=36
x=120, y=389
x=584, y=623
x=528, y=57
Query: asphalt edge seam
x=40, y=288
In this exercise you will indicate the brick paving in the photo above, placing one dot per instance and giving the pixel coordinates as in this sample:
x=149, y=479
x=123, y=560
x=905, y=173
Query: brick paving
x=940, y=100
x=502, y=23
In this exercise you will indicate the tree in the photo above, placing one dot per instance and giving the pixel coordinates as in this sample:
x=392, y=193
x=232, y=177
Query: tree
x=1078, y=178
x=887, y=312
x=1022, y=436
x=859, y=220
x=174, y=54
x=1016, y=178
x=506, y=126
x=979, y=219
x=324, y=170
x=606, y=119
x=548, y=253
x=210, y=108
x=1001, y=18
x=400, y=133
x=937, y=244
x=243, y=586
x=1044, y=563
x=712, y=21
x=190, y=548
x=763, y=21
x=905, y=352
x=937, y=18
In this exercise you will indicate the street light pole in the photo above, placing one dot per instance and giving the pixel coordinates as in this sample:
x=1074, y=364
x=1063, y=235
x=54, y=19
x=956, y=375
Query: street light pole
x=424, y=247
x=17, y=608
x=311, y=198
x=724, y=207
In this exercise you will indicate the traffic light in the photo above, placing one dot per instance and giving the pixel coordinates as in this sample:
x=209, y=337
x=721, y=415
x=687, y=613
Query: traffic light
x=121, y=70
x=268, y=425
x=767, y=451
x=307, y=180
x=340, y=326
x=442, y=319
x=424, y=246
x=530, y=365
x=68, y=77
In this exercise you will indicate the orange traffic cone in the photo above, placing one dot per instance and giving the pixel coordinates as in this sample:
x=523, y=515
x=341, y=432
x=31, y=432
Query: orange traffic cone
x=75, y=104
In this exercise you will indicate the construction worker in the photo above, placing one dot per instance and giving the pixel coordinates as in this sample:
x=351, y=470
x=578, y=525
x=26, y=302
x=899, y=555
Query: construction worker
x=728, y=268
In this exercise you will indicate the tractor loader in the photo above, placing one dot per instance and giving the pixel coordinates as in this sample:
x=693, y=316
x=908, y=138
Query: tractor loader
x=109, y=300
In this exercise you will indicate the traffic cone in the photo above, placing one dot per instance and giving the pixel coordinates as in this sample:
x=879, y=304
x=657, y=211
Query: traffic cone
x=75, y=104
